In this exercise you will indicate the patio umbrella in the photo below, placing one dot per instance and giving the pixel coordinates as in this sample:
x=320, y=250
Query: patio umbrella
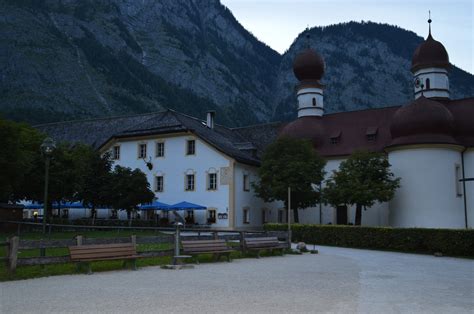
x=186, y=206
x=154, y=206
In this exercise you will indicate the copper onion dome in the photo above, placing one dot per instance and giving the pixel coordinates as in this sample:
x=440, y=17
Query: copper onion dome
x=430, y=53
x=423, y=121
x=307, y=128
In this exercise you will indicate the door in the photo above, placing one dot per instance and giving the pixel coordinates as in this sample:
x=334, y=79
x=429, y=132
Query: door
x=341, y=215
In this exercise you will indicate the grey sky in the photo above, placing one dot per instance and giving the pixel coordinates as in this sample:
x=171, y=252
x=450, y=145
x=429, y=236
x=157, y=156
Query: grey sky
x=278, y=22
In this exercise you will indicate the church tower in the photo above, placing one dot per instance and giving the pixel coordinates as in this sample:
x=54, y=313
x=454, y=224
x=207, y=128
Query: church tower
x=430, y=65
x=308, y=68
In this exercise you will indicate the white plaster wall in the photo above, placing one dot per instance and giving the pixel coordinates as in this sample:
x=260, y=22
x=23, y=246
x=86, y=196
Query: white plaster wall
x=469, y=173
x=438, y=80
x=173, y=167
x=305, y=102
x=427, y=196
x=376, y=215
x=247, y=199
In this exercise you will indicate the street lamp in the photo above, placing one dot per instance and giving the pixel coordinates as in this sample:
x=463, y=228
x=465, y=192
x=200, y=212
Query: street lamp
x=47, y=149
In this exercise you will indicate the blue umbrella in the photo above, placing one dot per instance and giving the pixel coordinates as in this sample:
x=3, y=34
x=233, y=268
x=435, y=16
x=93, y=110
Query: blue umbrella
x=154, y=205
x=186, y=206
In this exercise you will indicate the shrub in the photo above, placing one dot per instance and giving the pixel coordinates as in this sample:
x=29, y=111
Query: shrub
x=452, y=242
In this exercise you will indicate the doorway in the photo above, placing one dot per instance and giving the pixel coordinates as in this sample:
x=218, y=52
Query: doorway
x=341, y=215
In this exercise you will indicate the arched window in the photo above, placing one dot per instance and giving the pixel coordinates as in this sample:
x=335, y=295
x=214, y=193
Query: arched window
x=427, y=83
x=314, y=102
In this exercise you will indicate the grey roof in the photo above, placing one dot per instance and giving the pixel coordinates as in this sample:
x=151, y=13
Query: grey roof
x=97, y=132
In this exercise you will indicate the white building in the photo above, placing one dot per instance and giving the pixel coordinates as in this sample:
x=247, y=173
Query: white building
x=429, y=143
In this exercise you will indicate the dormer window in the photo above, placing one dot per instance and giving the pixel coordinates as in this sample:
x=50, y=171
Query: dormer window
x=371, y=134
x=335, y=137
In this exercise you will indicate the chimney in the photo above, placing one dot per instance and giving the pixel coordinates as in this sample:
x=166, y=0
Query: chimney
x=210, y=119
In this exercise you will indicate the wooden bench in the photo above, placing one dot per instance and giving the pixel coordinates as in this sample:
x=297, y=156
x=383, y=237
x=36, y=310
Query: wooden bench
x=84, y=254
x=215, y=247
x=266, y=243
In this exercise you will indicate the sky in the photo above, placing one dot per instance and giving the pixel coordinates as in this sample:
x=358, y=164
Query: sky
x=278, y=22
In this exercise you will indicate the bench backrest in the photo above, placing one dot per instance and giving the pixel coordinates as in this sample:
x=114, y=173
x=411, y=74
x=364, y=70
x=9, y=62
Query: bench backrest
x=204, y=246
x=261, y=242
x=85, y=252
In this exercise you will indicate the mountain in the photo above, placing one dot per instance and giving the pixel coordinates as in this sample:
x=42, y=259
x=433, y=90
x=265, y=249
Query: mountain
x=68, y=59
x=73, y=59
x=367, y=66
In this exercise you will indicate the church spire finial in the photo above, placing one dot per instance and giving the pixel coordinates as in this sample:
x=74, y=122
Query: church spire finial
x=429, y=22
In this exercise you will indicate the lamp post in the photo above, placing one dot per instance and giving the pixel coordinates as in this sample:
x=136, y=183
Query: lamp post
x=47, y=149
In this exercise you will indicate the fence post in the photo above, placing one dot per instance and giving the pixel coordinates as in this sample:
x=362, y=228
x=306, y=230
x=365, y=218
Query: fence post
x=133, y=238
x=79, y=240
x=242, y=242
x=13, y=243
x=216, y=236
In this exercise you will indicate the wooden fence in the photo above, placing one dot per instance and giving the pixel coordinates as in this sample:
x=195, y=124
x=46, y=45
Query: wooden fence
x=14, y=244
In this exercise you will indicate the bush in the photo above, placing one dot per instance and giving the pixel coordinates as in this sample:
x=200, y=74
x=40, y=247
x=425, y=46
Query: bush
x=452, y=242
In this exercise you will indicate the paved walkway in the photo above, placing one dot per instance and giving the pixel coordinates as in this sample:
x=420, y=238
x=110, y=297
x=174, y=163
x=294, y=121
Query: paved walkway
x=337, y=280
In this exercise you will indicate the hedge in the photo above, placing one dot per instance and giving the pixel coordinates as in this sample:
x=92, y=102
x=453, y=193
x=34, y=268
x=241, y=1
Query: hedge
x=451, y=242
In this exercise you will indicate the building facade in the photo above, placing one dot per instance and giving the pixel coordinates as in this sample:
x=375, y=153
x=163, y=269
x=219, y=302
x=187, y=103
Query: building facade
x=429, y=143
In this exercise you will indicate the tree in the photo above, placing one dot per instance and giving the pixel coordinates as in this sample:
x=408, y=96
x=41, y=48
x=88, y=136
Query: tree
x=20, y=145
x=290, y=163
x=128, y=188
x=362, y=179
x=93, y=177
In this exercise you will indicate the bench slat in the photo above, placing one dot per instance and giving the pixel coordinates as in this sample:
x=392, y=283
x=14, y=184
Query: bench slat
x=99, y=246
x=109, y=258
x=102, y=254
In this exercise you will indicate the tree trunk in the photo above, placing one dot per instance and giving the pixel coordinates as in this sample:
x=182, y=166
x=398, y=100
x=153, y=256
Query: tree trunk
x=296, y=216
x=358, y=218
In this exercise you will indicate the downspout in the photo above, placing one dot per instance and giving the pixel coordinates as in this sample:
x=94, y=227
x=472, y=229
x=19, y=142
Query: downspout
x=464, y=187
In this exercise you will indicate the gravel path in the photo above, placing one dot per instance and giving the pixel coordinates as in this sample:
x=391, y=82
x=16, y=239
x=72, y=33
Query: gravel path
x=337, y=280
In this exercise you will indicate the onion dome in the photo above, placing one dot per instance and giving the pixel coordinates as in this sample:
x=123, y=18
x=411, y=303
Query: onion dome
x=308, y=65
x=424, y=121
x=463, y=112
x=307, y=127
x=430, y=54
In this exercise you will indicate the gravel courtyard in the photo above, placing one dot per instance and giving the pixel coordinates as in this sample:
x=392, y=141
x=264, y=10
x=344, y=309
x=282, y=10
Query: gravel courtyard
x=337, y=280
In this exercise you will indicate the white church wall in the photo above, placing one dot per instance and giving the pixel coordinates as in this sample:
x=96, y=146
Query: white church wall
x=469, y=173
x=427, y=196
x=376, y=215
x=175, y=165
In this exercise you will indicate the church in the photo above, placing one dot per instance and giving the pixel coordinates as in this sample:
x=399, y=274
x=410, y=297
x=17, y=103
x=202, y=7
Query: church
x=429, y=143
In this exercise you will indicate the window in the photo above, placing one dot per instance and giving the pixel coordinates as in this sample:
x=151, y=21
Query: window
x=246, y=182
x=212, y=181
x=142, y=151
x=160, y=149
x=335, y=137
x=190, y=147
x=246, y=216
x=159, y=184
x=427, y=83
x=116, y=152
x=314, y=102
x=457, y=173
x=190, y=182
x=371, y=133
x=211, y=216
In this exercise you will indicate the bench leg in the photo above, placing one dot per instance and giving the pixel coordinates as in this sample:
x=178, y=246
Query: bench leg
x=124, y=264
x=89, y=269
x=228, y=258
x=196, y=260
x=258, y=253
x=216, y=257
x=134, y=264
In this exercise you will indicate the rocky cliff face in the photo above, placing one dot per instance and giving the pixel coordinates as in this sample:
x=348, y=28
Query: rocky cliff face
x=71, y=59
x=82, y=58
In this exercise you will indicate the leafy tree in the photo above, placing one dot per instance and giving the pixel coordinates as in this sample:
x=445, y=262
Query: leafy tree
x=93, y=172
x=362, y=179
x=129, y=188
x=20, y=145
x=290, y=163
